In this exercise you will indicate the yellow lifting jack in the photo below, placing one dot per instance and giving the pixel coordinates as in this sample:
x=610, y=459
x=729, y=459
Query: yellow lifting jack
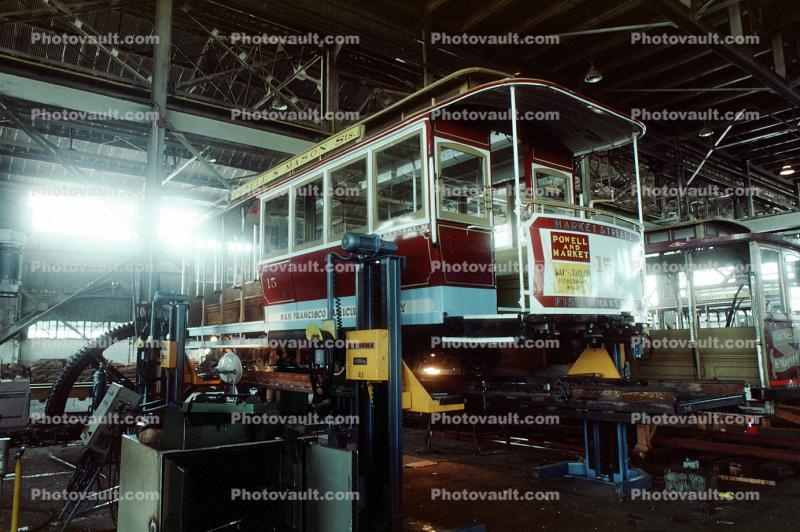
x=367, y=354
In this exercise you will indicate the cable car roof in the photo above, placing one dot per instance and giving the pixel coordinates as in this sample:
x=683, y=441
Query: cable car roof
x=582, y=125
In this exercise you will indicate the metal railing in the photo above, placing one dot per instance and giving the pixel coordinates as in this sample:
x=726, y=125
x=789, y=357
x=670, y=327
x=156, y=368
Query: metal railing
x=579, y=211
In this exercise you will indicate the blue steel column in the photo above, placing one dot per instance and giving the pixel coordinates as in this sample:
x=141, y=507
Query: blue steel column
x=393, y=265
x=181, y=315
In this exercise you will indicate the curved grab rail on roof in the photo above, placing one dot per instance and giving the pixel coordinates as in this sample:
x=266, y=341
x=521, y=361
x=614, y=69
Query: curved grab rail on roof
x=433, y=88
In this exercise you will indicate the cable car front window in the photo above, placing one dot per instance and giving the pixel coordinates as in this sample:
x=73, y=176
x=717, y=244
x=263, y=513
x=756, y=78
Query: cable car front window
x=773, y=286
x=792, y=264
x=462, y=184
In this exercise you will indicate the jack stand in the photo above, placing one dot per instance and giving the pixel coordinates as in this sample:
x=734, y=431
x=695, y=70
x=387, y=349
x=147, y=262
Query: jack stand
x=607, y=464
x=606, y=448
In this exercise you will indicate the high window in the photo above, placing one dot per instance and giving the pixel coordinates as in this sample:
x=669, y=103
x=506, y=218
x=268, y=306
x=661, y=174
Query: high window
x=399, y=189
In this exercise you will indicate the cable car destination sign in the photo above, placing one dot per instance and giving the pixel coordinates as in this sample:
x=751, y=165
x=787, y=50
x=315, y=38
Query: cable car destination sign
x=347, y=136
x=580, y=266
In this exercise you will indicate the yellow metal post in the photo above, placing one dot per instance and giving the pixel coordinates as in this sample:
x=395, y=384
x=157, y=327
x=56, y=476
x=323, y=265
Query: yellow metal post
x=17, y=490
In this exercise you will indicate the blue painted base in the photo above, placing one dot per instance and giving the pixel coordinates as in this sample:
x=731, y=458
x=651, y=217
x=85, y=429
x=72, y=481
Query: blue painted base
x=637, y=479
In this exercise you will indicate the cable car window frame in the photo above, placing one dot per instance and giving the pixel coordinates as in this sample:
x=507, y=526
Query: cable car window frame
x=482, y=221
x=418, y=213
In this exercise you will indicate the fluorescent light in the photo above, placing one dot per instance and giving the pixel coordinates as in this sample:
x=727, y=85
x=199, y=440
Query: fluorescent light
x=787, y=169
x=705, y=132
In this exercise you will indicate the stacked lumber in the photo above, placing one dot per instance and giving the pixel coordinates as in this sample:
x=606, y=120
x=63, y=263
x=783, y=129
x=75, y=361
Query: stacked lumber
x=10, y=371
x=46, y=370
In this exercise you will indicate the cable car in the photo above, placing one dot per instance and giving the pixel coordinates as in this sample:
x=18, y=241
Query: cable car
x=724, y=304
x=478, y=180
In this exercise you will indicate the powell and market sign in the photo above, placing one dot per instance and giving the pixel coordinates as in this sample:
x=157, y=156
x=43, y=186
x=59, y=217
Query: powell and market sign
x=331, y=143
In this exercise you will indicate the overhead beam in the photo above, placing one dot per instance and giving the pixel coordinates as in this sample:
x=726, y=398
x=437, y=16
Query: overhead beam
x=59, y=96
x=737, y=55
x=95, y=163
x=81, y=27
x=197, y=154
x=27, y=178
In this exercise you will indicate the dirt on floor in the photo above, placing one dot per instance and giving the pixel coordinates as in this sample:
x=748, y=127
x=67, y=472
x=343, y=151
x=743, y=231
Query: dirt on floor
x=434, y=498
x=41, y=496
x=451, y=466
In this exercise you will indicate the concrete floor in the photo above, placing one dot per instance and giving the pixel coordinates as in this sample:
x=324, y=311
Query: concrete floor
x=581, y=506
x=454, y=465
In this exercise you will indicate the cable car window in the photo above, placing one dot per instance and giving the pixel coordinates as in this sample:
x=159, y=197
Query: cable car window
x=399, y=189
x=276, y=225
x=550, y=185
x=792, y=264
x=309, y=211
x=462, y=186
x=658, y=236
x=348, y=196
x=773, y=286
x=502, y=207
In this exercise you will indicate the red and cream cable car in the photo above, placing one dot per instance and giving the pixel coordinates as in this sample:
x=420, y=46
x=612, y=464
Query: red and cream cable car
x=474, y=178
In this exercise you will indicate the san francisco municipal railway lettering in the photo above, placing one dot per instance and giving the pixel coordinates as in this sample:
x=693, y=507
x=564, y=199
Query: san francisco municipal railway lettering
x=318, y=314
x=596, y=229
x=315, y=314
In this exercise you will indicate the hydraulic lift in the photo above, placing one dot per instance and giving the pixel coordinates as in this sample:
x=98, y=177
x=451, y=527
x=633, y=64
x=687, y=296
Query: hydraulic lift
x=605, y=443
x=595, y=392
x=200, y=454
x=384, y=385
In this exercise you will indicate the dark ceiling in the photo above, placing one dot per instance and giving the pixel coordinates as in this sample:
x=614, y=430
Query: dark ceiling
x=396, y=56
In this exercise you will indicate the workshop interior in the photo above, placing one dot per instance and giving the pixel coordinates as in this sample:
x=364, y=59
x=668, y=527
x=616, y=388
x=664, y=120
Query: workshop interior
x=335, y=265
